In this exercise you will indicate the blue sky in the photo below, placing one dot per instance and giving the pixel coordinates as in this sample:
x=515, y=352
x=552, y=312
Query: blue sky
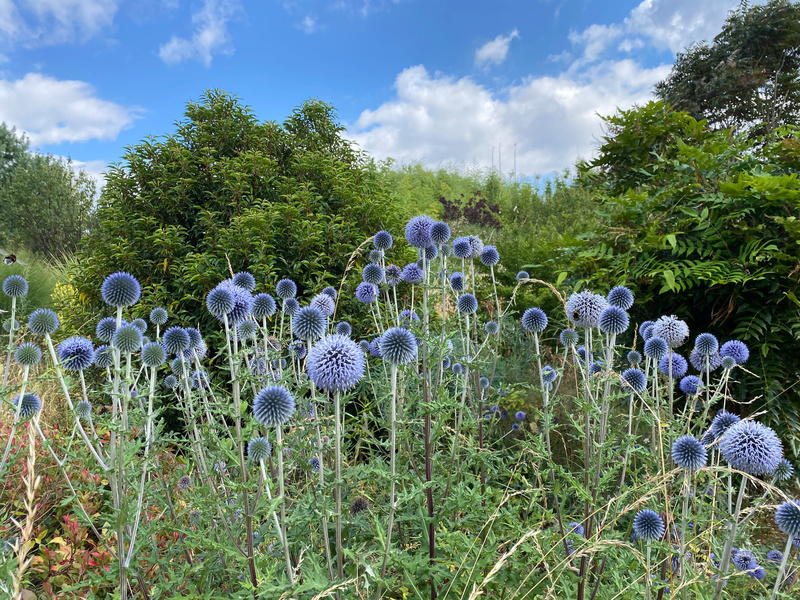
x=432, y=80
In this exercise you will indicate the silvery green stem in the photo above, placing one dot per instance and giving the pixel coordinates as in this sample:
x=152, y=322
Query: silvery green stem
x=545, y=399
x=282, y=493
x=647, y=573
x=393, y=460
x=684, y=522
x=784, y=560
x=726, y=554
x=337, y=488
x=320, y=457
x=671, y=393
x=25, y=373
x=10, y=349
x=627, y=444
x=278, y=527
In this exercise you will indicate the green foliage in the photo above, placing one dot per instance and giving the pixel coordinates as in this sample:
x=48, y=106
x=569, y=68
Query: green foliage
x=43, y=277
x=709, y=232
x=228, y=191
x=749, y=75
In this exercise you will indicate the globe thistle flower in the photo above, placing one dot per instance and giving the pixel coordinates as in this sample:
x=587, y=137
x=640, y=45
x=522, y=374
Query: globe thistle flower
x=408, y=318
x=83, y=409
x=457, y=369
x=774, y=557
x=520, y=415
x=246, y=330
x=691, y=385
x=279, y=364
x=196, y=342
x=7, y=325
x=484, y=383
x=722, y=422
x=751, y=447
x=263, y=306
x=363, y=344
x=127, y=339
x=620, y=297
x=462, y=248
x=568, y=337
x=706, y=344
x=105, y=329
x=457, y=281
x=634, y=379
x=595, y=368
x=613, y=320
x=467, y=304
x=297, y=350
x=634, y=357
x=76, y=353
x=736, y=350
x=245, y=280
x=744, y=560
x=324, y=303
x=184, y=483
x=153, y=355
x=645, y=325
x=758, y=573
x=104, y=356
x=285, y=289
x=373, y=274
x=489, y=256
x=170, y=382
x=180, y=368
x=698, y=361
x=515, y=426
x=309, y=323
x=344, y=328
x=412, y=273
x=394, y=275
x=656, y=348
x=27, y=354
x=374, y=257
x=31, y=404
x=708, y=438
x=446, y=250
x=43, y=321
x=382, y=240
x=259, y=449
x=428, y=253
x=141, y=324
x=176, y=340
x=679, y=366
x=581, y=352
x=365, y=293
x=120, y=289
x=291, y=306
x=576, y=528
x=534, y=320
x=158, y=316
x=418, y=231
x=331, y=292
x=476, y=245
x=439, y=233
x=242, y=303
x=375, y=347
x=584, y=308
x=359, y=505
x=787, y=517
x=783, y=472
x=335, y=363
x=15, y=286
x=689, y=453
x=446, y=363
x=398, y=346
x=648, y=525
x=220, y=301
x=647, y=333
x=672, y=329
x=491, y=327
x=549, y=374
x=523, y=275
x=273, y=406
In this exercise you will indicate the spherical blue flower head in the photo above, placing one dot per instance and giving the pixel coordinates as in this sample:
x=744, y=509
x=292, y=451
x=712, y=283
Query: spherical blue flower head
x=309, y=323
x=242, y=303
x=691, y=385
x=127, y=339
x=263, y=306
x=751, y=447
x=656, y=348
x=76, y=353
x=634, y=379
x=621, y=297
x=787, y=516
x=373, y=274
x=457, y=281
x=722, y=421
x=446, y=362
x=83, y=409
x=672, y=329
x=408, y=318
x=491, y=327
x=324, y=303
x=412, y=273
x=246, y=330
x=520, y=415
x=783, y=472
x=744, y=560
x=398, y=346
x=758, y=573
x=584, y=308
x=645, y=325
x=120, y=289
x=176, y=340
x=104, y=357
x=374, y=257
x=679, y=366
x=375, y=347
x=476, y=245
x=431, y=252
x=15, y=286
x=736, y=350
x=647, y=333
x=484, y=383
x=698, y=361
x=245, y=280
x=774, y=557
x=297, y=349
x=158, y=316
x=220, y=301
x=273, y=406
x=393, y=275
x=708, y=438
x=648, y=525
x=613, y=320
x=489, y=256
x=534, y=320
x=313, y=463
x=418, y=231
x=364, y=345
x=344, y=328
x=335, y=363
x=43, y=321
x=581, y=352
x=595, y=368
x=462, y=248
x=259, y=449
x=279, y=363
x=457, y=369
x=689, y=453
x=7, y=325
x=549, y=374
x=285, y=289
x=331, y=291
x=577, y=528
x=568, y=337
x=141, y=324
x=31, y=404
x=291, y=306
x=467, y=304
x=446, y=250
x=515, y=426
x=706, y=344
x=440, y=233
x=195, y=339
x=365, y=293
x=153, y=355
x=382, y=240
x=180, y=368
x=27, y=354
x=170, y=382
x=523, y=275
x=105, y=329
x=634, y=357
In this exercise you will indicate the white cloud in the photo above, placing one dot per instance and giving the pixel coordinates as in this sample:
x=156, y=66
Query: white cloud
x=494, y=52
x=309, y=24
x=210, y=36
x=52, y=111
x=48, y=22
x=595, y=39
